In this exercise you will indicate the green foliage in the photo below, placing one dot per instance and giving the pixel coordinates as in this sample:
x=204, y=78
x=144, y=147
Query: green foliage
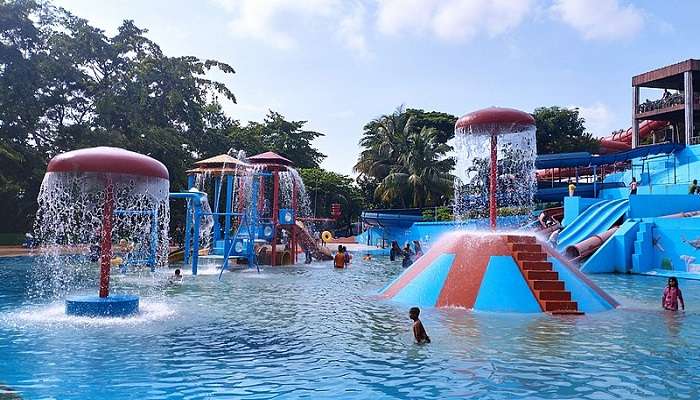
x=666, y=264
x=325, y=188
x=562, y=130
x=65, y=84
x=408, y=165
x=443, y=213
x=287, y=138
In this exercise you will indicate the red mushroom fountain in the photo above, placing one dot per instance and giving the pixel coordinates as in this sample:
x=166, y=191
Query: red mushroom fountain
x=83, y=193
x=491, y=127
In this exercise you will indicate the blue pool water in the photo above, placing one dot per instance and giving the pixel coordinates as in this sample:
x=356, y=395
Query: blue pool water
x=315, y=332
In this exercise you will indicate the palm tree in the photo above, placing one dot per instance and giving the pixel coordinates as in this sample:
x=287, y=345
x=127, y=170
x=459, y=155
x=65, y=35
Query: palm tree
x=420, y=176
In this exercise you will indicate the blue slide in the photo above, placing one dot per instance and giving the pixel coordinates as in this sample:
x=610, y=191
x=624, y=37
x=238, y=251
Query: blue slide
x=598, y=218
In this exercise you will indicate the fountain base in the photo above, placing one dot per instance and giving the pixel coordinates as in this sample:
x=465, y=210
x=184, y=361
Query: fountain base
x=94, y=306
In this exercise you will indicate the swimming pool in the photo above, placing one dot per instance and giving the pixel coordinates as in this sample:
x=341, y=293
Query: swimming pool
x=315, y=332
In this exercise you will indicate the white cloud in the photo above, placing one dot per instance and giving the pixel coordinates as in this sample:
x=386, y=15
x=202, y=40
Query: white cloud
x=453, y=20
x=600, y=121
x=274, y=22
x=351, y=30
x=600, y=19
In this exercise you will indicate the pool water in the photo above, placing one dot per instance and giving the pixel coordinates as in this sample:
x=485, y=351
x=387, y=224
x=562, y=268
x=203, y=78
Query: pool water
x=315, y=332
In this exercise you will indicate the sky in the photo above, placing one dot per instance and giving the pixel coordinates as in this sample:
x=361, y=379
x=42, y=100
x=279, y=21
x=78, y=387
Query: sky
x=340, y=63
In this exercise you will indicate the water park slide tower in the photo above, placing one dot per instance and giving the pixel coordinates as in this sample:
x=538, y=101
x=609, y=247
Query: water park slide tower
x=90, y=195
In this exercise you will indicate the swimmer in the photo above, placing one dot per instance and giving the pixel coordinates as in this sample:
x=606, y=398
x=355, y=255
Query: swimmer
x=367, y=257
x=419, y=332
x=176, y=278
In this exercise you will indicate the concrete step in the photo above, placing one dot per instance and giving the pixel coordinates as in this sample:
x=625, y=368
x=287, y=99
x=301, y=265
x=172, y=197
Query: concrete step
x=521, y=239
x=556, y=305
x=523, y=256
x=547, y=285
x=542, y=275
x=560, y=295
x=526, y=247
x=536, y=265
x=566, y=312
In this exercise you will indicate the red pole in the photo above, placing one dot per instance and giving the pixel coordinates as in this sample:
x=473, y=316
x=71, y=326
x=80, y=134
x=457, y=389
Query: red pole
x=294, y=231
x=275, y=212
x=492, y=183
x=106, y=240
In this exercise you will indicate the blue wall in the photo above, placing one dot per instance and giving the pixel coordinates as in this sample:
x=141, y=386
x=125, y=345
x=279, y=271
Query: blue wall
x=503, y=288
x=672, y=244
x=658, y=205
x=428, y=232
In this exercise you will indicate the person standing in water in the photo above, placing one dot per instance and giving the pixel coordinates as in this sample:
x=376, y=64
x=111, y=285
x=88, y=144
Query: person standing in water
x=339, y=258
x=633, y=186
x=672, y=296
x=419, y=332
x=693, y=188
x=407, y=253
x=417, y=247
x=395, y=250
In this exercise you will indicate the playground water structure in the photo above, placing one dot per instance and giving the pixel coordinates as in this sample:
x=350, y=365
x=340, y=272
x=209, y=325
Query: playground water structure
x=495, y=151
x=260, y=213
x=312, y=331
x=89, y=198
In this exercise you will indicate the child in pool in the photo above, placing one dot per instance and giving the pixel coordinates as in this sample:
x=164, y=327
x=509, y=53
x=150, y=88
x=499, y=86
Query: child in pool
x=672, y=296
x=339, y=258
x=176, y=278
x=407, y=256
x=419, y=332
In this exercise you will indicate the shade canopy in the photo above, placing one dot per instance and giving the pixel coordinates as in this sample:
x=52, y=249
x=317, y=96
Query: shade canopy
x=108, y=160
x=494, y=117
x=269, y=157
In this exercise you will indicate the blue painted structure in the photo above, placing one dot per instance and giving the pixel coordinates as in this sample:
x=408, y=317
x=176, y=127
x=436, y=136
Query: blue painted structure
x=121, y=305
x=503, y=289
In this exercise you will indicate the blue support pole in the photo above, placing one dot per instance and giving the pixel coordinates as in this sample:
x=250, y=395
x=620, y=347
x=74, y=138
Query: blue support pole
x=218, y=182
x=227, y=218
x=595, y=182
x=188, y=220
x=253, y=221
x=195, y=240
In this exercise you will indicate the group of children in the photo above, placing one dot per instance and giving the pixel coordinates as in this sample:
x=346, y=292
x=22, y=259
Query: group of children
x=409, y=256
x=671, y=299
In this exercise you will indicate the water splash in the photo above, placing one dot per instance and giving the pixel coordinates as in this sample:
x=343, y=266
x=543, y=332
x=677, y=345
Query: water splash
x=69, y=222
x=516, y=183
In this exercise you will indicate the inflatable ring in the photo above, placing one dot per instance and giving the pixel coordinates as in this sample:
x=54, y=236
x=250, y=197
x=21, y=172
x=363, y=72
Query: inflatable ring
x=326, y=236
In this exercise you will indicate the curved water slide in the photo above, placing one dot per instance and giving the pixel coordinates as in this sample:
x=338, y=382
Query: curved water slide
x=620, y=141
x=308, y=242
x=595, y=220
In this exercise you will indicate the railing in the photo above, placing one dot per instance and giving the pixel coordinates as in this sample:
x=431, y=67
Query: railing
x=694, y=140
x=667, y=170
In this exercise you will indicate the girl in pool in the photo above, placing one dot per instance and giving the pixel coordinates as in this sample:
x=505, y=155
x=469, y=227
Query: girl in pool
x=672, y=296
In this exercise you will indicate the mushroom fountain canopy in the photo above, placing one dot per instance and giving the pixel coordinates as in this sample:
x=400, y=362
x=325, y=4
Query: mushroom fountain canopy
x=79, y=189
x=494, y=119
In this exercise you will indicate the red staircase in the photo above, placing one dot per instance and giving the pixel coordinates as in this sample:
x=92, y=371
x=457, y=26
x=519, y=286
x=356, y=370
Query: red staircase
x=539, y=275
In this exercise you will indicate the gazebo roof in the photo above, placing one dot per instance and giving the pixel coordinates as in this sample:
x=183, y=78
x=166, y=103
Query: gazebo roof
x=269, y=157
x=221, y=159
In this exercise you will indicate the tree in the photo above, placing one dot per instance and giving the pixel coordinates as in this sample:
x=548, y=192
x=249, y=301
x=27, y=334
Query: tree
x=442, y=123
x=287, y=138
x=65, y=85
x=408, y=165
x=562, y=130
x=325, y=188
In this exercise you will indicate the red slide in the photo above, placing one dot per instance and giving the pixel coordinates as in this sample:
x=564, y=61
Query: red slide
x=620, y=141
